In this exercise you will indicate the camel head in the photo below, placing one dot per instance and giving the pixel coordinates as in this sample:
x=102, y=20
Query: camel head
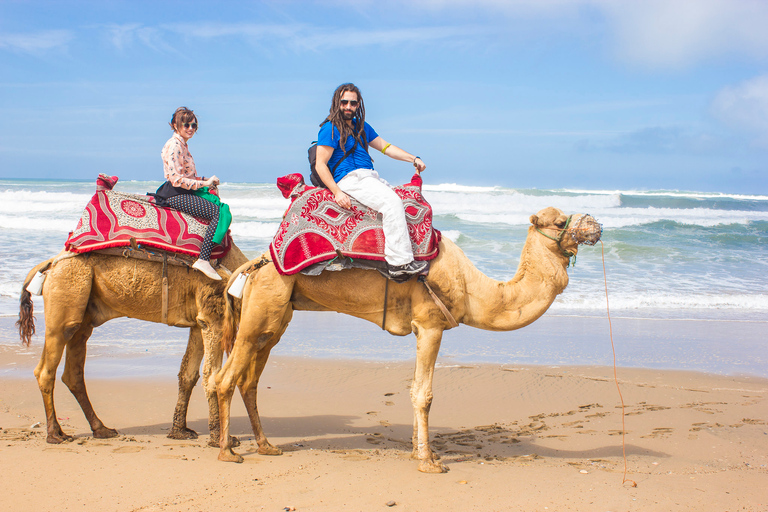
x=569, y=231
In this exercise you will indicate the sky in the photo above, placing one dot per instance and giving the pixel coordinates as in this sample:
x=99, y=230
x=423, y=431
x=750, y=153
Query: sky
x=563, y=94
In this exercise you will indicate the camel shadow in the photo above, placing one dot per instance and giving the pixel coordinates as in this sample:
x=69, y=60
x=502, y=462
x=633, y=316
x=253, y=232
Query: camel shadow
x=489, y=443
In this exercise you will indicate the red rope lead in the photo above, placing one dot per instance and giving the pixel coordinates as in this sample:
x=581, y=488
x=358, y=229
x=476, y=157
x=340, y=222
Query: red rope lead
x=615, y=374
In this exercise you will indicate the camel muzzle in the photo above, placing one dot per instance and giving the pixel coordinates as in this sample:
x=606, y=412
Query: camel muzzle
x=586, y=230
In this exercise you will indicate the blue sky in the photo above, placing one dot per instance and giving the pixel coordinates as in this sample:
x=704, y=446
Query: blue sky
x=590, y=94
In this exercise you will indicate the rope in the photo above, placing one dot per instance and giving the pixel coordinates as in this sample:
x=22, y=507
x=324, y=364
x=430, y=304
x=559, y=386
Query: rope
x=615, y=374
x=448, y=316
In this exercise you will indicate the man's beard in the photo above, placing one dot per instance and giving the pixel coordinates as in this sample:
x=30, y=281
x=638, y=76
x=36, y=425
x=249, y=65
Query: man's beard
x=348, y=114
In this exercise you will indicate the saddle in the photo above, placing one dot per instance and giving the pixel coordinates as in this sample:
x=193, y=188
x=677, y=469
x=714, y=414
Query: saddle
x=317, y=234
x=118, y=219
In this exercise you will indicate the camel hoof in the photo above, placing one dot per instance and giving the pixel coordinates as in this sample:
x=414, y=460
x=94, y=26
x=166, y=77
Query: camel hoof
x=229, y=456
x=104, y=433
x=59, y=438
x=428, y=466
x=269, y=450
x=182, y=433
x=213, y=441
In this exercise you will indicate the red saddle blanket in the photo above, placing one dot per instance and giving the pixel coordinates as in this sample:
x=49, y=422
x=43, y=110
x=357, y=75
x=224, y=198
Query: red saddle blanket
x=314, y=227
x=112, y=219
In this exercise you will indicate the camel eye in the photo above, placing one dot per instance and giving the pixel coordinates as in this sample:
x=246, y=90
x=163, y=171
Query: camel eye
x=560, y=223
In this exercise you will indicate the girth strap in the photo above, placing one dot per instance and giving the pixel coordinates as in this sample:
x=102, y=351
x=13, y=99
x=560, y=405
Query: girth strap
x=386, y=293
x=164, y=307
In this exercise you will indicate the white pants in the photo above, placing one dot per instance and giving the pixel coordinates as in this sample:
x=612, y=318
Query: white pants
x=367, y=187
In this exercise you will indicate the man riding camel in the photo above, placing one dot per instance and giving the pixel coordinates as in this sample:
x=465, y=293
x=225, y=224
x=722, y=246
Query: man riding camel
x=342, y=145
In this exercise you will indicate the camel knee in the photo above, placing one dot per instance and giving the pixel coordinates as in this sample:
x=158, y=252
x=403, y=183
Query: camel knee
x=187, y=380
x=422, y=400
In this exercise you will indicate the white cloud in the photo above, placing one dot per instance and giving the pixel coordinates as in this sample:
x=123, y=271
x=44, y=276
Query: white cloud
x=651, y=33
x=37, y=42
x=677, y=33
x=745, y=107
x=306, y=37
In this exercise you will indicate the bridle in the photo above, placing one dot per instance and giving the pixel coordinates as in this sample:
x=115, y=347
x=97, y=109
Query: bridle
x=559, y=238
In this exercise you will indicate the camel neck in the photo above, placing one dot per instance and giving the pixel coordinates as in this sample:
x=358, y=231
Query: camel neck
x=503, y=306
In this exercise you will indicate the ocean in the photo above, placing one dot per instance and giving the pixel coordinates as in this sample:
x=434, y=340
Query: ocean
x=685, y=262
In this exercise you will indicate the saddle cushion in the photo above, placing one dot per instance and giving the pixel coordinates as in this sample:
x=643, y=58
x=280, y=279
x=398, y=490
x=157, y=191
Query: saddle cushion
x=112, y=219
x=316, y=229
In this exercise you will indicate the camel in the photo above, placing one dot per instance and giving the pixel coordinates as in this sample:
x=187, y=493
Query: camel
x=84, y=291
x=269, y=300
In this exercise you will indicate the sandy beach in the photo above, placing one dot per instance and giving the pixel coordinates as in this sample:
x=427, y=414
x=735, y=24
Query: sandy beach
x=514, y=438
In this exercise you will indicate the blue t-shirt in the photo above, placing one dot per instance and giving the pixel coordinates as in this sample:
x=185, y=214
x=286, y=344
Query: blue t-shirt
x=359, y=159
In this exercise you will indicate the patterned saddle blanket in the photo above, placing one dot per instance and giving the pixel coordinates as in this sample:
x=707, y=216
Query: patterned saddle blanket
x=112, y=219
x=316, y=229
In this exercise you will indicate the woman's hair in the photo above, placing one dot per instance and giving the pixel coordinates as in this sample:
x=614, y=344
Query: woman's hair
x=181, y=116
x=336, y=116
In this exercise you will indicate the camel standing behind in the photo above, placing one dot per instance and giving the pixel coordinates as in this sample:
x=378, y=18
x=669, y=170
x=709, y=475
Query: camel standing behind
x=472, y=298
x=84, y=291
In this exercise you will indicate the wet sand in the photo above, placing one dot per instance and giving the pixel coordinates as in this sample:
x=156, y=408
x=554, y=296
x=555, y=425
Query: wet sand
x=513, y=437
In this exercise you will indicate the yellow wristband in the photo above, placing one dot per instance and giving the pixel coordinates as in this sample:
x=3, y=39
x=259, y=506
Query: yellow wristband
x=384, y=149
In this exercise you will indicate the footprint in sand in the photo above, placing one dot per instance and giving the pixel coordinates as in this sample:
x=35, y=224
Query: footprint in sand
x=660, y=432
x=58, y=449
x=128, y=449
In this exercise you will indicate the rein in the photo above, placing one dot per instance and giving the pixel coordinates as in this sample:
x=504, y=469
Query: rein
x=559, y=238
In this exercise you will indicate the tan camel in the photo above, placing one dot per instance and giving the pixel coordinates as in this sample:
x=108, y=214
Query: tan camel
x=84, y=291
x=269, y=300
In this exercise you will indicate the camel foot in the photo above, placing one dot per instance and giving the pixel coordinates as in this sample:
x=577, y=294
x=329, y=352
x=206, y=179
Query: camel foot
x=213, y=441
x=268, y=449
x=182, y=433
x=227, y=455
x=58, y=438
x=104, y=433
x=430, y=466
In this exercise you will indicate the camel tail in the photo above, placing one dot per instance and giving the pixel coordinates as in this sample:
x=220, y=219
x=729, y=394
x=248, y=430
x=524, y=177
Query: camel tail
x=232, y=306
x=230, y=323
x=26, y=321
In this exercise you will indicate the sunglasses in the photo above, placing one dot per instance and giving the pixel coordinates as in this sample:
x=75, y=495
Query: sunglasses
x=352, y=103
x=193, y=125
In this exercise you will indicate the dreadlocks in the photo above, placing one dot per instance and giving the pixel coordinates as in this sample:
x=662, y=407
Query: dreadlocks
x=335, y=116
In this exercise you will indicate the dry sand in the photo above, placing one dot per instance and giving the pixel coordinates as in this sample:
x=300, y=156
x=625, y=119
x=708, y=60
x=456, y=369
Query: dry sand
x=514, y=438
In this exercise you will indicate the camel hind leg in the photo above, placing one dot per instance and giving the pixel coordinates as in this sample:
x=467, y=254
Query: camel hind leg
x=189, y=373
x=256, y=338
x=249, y=392
x=45, y=373
x=74, y=378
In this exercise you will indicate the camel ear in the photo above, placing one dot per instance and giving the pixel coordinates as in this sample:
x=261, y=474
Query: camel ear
x=534, y=220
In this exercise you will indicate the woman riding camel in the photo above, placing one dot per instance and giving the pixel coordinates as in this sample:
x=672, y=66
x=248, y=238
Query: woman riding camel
x=185, y=191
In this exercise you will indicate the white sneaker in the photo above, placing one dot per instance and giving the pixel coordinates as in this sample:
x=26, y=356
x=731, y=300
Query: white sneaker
x=206, y=268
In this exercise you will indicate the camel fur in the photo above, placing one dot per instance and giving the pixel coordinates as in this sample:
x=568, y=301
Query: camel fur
x=84, y=291
x=269, y=300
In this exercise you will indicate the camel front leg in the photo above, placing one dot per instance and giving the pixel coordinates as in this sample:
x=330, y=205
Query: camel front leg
x=189, y=373
x=427, y=346
x=74, y=378
x=211, y=366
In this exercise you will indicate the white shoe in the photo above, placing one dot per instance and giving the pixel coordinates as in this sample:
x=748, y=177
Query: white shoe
x=206, y=268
